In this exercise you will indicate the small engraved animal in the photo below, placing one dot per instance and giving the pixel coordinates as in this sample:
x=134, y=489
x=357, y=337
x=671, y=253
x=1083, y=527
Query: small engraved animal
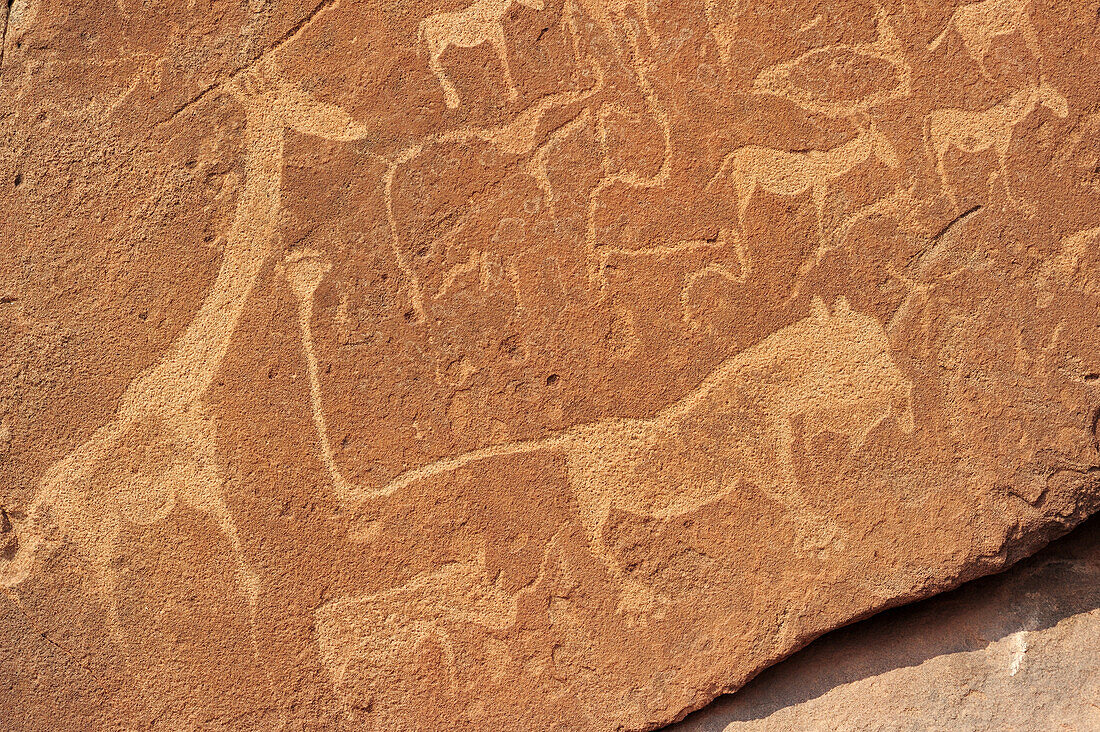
x=375, y=643
x=478, y=23
x=978, y=131
x=786, y=173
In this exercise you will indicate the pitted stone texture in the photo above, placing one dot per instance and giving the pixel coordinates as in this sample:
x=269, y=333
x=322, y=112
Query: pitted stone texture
x=524, y=364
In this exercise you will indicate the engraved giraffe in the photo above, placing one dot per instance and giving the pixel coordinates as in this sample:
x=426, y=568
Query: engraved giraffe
x=992, y=128
x=480, y=22
x=159, y=450
x=784, y=173
x=978, y=24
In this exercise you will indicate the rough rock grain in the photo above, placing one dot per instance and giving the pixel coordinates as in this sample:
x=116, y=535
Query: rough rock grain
x=524, y=364
x=1011, y=653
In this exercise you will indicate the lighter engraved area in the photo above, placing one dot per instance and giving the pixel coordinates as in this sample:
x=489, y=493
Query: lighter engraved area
x=978, y=131
x=783, y=173
x=830, y=372
x=481, y=22
x=402, y=639
x=779, y=80
x=979, y=24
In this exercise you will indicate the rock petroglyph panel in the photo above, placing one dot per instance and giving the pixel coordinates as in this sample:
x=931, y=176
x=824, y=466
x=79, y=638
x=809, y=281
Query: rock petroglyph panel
x=525, y=364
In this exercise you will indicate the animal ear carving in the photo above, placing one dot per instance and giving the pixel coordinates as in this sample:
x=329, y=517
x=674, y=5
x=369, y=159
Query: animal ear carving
x=841, y=306
x=820, y=309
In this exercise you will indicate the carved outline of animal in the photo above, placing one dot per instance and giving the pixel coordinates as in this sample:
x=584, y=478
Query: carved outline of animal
x=784, y=173
x=900, y=200
x=978, y=24
x=609, y=13
x=630, y=441
x=886, y=46
x=456, y=593
x=479, y=22
x=514, y=138
x=167, y=397
x=992, y=128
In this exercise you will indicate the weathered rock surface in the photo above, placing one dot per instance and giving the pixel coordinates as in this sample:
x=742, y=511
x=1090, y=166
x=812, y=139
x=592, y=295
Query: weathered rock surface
x=527, y=365
x=1011, y=652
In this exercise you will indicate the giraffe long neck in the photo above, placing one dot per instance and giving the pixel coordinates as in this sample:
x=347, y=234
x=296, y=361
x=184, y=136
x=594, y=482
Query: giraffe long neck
x=187, y=371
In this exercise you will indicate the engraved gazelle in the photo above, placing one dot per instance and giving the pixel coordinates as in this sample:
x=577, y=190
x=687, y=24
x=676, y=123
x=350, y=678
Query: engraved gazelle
x=479, y=23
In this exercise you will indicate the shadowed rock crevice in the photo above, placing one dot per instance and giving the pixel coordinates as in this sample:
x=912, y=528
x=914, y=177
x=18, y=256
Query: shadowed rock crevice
x=1053, y=596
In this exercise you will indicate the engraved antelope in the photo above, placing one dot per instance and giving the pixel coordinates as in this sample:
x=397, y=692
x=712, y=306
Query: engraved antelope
x=978, y=131
x=978, y=24
x=480, y=22
x=372, y=642
x=786, y=173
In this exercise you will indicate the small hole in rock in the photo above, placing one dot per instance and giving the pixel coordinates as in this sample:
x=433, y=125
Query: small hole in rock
x=1092, y=377
x=552, y=379
x=18, y=179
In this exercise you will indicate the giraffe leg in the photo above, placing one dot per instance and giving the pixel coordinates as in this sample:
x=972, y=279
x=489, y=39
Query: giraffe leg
x=450, y=94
